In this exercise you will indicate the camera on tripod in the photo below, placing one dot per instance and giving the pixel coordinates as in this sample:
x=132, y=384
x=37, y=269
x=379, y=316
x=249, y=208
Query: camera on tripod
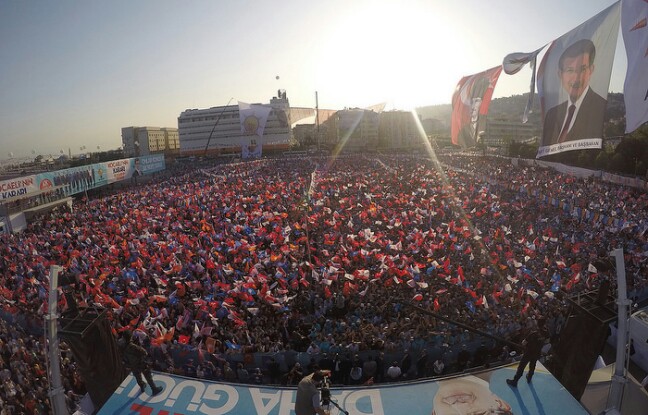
x=325, y=395
x=325, y=391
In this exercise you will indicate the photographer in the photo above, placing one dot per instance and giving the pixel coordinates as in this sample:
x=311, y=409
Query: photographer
x=308, y=401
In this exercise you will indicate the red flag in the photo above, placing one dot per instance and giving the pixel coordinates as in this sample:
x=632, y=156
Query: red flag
x=436, y=304
x=446, y=265
x=327, y=292
x=470, y=103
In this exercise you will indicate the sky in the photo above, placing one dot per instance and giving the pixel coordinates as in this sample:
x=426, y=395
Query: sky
x=74, y=72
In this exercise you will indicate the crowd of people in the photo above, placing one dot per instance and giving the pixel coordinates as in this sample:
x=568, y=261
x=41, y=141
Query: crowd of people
x=328, y=257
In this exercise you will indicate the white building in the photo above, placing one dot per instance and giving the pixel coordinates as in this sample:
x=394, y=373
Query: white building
x=217, y=130
x=142, y=141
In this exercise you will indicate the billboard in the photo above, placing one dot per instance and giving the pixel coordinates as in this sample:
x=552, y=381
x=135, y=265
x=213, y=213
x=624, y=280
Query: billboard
x=79, y=179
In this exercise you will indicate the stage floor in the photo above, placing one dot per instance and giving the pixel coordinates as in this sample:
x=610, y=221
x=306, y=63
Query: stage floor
x=475, y=393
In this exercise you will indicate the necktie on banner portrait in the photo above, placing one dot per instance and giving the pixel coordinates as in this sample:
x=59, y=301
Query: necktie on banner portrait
x=253, y=119
x=513, y=63
x=576, y=70
x=634, y=27
x=470, y=103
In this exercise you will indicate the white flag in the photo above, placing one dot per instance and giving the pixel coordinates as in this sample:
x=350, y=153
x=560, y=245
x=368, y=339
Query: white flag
x=634, y=27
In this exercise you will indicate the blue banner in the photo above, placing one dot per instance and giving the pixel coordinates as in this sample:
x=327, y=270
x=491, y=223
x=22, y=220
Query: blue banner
x=79, y=179
x=479, y=393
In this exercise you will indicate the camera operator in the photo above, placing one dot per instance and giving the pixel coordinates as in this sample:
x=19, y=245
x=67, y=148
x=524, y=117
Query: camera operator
x=308, y=401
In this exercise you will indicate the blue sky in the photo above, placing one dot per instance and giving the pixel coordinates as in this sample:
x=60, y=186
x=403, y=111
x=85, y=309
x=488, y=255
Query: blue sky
x=73, y=73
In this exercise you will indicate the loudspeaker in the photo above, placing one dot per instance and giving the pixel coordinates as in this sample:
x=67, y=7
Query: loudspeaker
x=578, y=348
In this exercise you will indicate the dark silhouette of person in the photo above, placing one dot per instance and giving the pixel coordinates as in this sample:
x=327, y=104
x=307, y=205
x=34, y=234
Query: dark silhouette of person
x=136, y=359
x=581, y=115
x=309, y=399
x=533, y=343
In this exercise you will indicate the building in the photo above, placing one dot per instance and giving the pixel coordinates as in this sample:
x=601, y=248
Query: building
x=352, y=129
x=356, y=128
x=305, y=134
x=399, y=130
x=217, y=130
x=501, y=131
x=142, y=141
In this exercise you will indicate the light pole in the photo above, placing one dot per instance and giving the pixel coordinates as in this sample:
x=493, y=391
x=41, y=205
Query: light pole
x=620, y=377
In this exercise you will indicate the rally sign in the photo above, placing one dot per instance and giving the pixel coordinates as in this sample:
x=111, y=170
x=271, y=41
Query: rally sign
x=486, y=390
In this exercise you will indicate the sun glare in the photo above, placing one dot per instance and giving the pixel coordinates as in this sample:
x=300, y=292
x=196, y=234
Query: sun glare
x=399, y=54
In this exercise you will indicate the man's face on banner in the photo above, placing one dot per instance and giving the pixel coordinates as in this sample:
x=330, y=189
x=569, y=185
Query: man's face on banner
x=575, y=75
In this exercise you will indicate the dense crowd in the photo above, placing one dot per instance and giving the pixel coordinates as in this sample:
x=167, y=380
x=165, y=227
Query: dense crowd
x=326, y=257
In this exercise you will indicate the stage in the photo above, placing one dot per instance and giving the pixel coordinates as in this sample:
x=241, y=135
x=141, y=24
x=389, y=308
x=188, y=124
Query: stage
x=477, y=392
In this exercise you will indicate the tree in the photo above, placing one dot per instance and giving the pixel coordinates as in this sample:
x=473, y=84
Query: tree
x=632, y=151
x=602, y=160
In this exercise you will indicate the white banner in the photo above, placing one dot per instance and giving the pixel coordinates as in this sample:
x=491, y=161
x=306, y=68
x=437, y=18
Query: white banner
x=573, y=82
x=18, y=187
x=634, y=27
x=253, y=118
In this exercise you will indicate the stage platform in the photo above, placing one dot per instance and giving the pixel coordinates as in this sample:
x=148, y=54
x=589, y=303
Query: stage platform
x=481, y=392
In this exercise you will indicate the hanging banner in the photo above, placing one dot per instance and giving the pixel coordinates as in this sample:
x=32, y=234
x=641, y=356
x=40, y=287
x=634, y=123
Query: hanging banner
x=470, y=105
x=513, y=63
x=634, y=27
x=253, y=118
x=573, y=80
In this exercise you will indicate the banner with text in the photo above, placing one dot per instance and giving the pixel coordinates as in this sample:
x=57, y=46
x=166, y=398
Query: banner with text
x=573, y=82
x=79, y=179
x=483, y=392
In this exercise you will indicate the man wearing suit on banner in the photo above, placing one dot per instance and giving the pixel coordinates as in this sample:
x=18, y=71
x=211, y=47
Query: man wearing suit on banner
x=581, y=115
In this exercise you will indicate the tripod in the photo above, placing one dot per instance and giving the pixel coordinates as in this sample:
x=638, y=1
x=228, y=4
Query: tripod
x=329, y=402
x=326, y=397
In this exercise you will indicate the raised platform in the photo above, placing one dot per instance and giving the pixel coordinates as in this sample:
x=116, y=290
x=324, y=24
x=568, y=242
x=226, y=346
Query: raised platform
x=482, y=392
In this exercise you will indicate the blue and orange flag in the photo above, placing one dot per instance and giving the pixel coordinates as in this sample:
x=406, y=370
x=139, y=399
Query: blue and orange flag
x=470, y=105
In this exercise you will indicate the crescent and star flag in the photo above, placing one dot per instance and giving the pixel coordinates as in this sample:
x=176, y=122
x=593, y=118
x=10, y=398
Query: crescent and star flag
x=634, y=27
x=513, y=63
x=470, y=103
x=573, y=82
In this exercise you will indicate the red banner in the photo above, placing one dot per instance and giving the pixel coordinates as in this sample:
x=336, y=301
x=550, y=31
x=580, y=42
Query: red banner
x=470, y=105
